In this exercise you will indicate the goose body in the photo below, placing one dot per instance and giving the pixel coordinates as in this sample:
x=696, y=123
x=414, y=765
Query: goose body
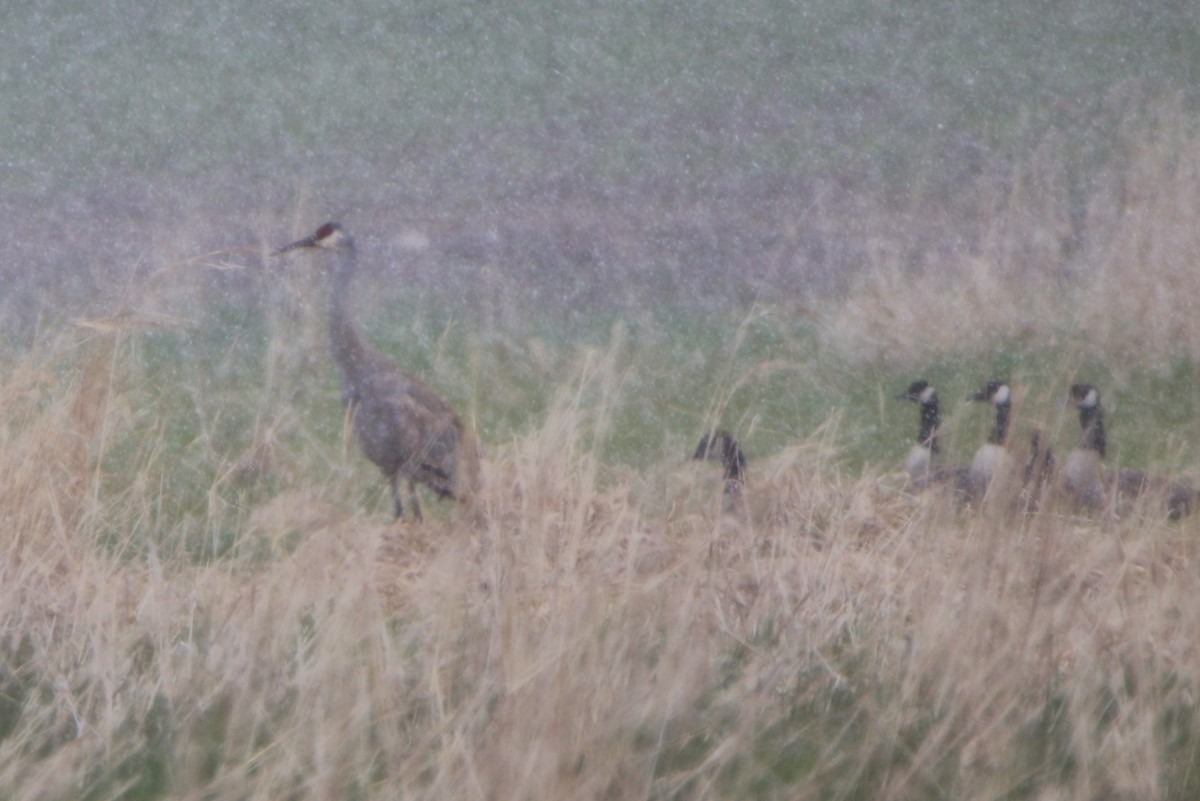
x=1095, y=485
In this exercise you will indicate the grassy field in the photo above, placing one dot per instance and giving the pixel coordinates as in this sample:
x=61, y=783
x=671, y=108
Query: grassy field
x=598, y=231
x=608, y=91
x=204, y=614
x=203, y=596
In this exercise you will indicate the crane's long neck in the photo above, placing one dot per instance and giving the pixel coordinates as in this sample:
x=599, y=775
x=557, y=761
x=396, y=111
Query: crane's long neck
x=1000, y=432
x=930, y=422
x=1091, y=420
x=349, y=351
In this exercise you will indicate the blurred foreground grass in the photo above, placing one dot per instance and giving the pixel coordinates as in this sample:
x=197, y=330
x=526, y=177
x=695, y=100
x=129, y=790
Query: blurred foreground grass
x=202, y=594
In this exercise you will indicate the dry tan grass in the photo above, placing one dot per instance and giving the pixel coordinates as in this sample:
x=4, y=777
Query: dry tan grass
x=1128, y=292
x=605, y=634
x=846, y=638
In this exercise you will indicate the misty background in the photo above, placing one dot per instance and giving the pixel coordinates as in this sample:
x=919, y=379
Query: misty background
x=584, y=155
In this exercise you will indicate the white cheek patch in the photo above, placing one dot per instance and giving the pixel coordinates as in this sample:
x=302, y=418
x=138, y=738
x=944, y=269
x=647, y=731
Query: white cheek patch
x=1092, y=398
x=1001, y=396
x=927, y=394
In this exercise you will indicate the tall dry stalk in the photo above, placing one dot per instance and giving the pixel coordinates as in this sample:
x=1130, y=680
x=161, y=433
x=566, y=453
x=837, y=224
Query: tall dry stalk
x=1125, y=290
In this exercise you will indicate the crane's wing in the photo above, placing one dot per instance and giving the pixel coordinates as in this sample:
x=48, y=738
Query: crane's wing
x=412, y=430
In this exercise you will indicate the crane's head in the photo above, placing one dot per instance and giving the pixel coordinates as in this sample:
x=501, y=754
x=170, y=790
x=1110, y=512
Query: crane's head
x=330, y=236
x=996, y=392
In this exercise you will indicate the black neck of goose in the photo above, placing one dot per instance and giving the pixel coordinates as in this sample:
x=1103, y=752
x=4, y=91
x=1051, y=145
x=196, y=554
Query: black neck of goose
x=999, y=434
x=1091, y=420
x=722, y=445
x=930, y=423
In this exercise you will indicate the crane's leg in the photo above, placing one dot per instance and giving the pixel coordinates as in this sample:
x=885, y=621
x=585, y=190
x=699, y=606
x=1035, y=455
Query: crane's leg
x=397, y=503
x=412, y=500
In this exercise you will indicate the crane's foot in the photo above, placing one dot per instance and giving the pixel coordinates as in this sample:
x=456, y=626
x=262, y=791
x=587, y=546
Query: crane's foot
x=414, y=504
x=398, y=502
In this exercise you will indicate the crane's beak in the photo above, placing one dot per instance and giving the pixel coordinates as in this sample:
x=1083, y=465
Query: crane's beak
x=981, y=395
x=306, y=242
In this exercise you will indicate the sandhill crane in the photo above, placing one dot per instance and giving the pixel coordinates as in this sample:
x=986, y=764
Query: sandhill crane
x=722, y=446
x=401, y=425
x=1093, y=484
x=921, y=462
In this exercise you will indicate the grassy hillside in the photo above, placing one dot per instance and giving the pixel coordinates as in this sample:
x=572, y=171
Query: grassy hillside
x=202, y=595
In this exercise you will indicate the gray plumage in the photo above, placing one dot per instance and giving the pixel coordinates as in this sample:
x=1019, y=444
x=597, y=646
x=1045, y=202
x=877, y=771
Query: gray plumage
x=401, y=425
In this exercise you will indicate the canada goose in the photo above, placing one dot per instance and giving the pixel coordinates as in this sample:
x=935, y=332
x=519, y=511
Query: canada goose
x=721, y=445
x=1083, y=475
x=402, y=426
x=921, y=462
x=992, y=462
x=1092, y=484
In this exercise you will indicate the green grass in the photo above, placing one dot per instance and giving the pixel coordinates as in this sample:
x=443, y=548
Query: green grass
x=202, y=591
x=201, y=401
x=223, y=621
